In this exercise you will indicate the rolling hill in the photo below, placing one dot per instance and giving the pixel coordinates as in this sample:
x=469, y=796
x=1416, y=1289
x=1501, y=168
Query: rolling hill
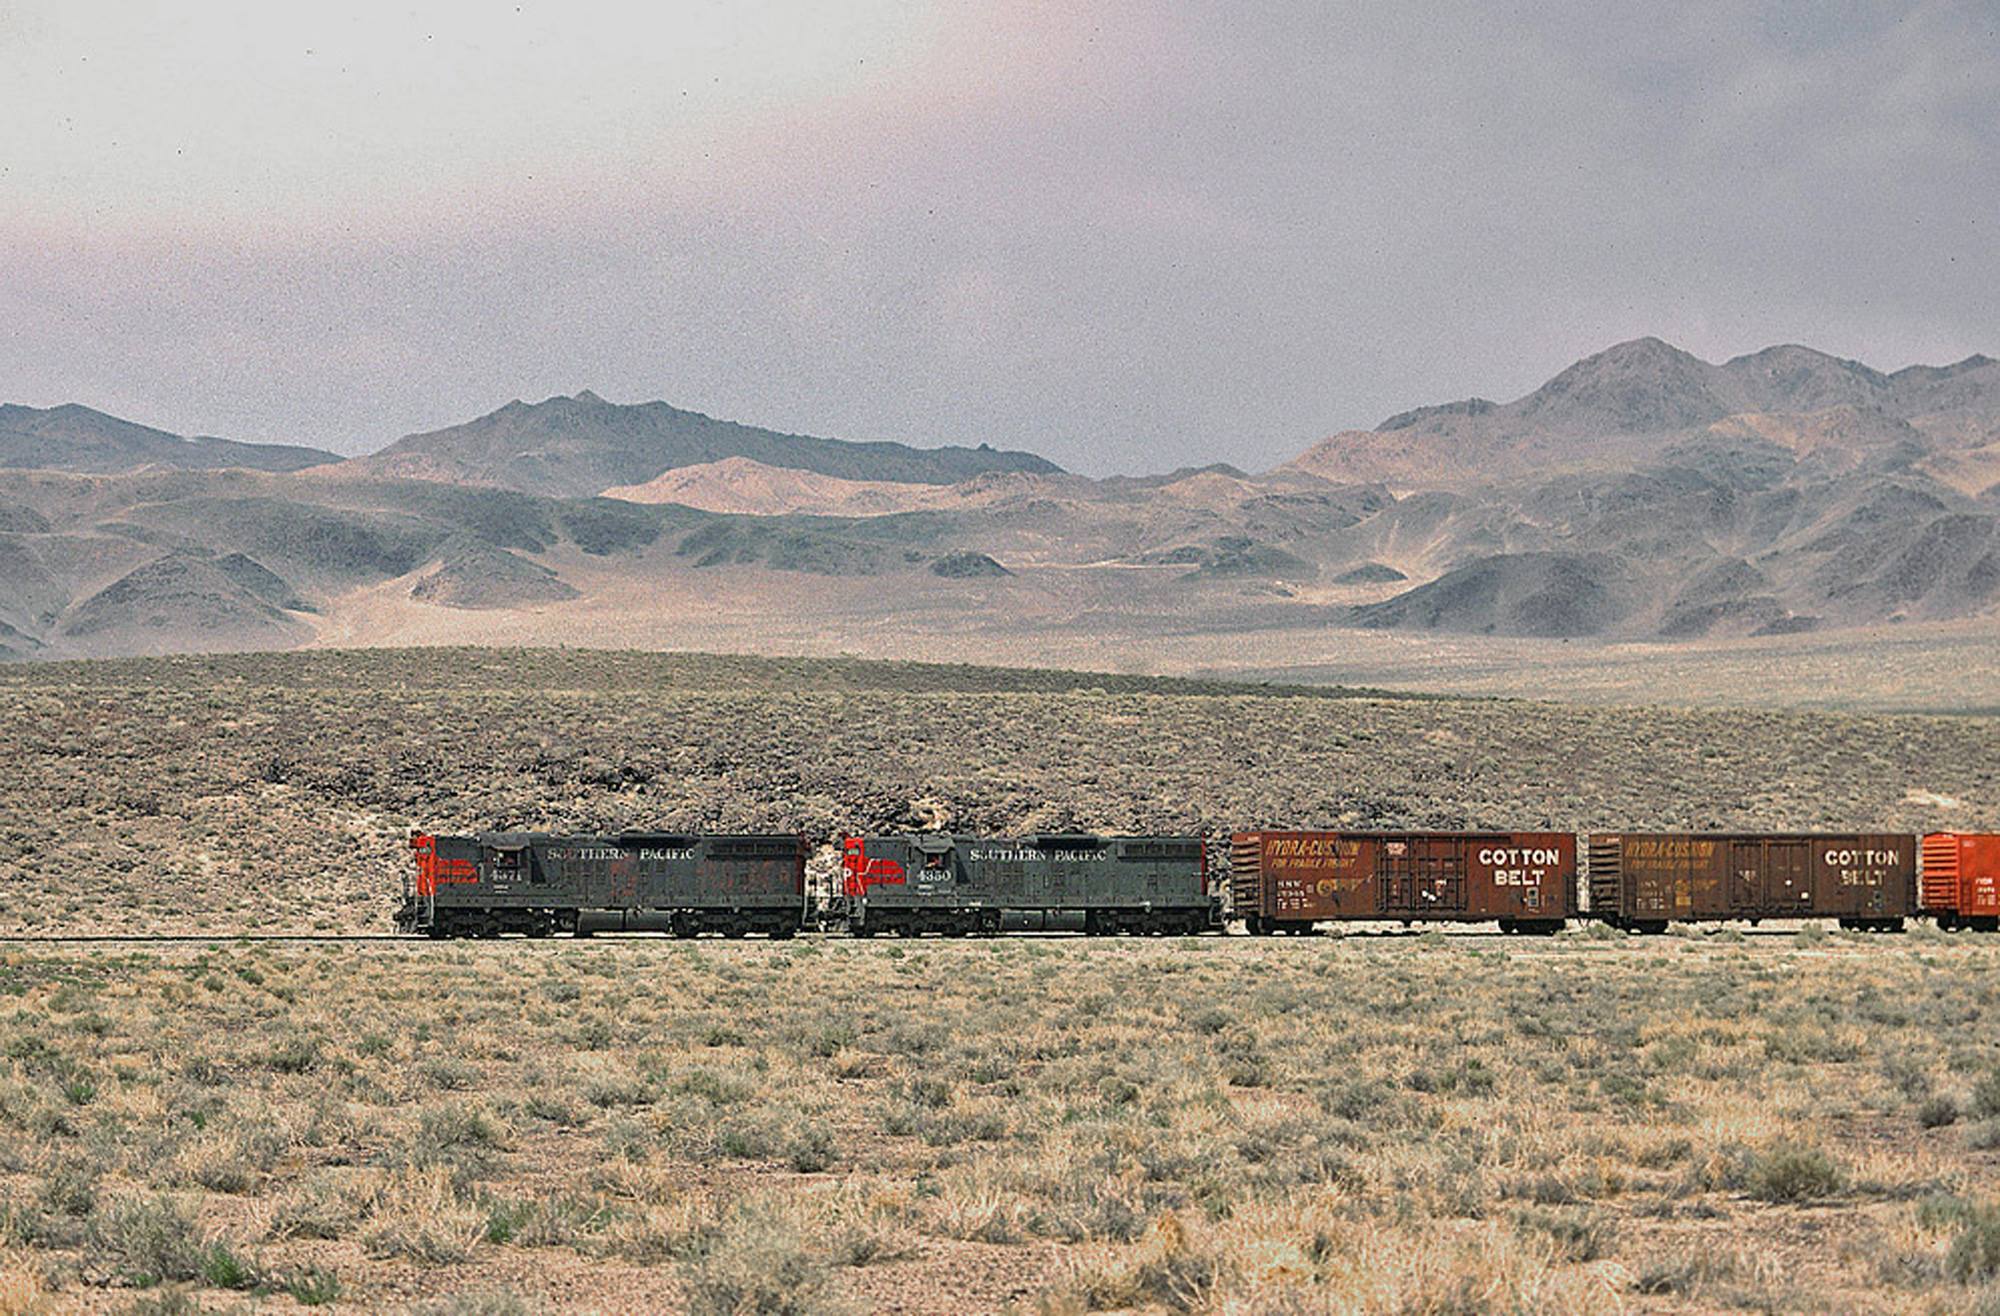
x=75, y=438
x=574, y=447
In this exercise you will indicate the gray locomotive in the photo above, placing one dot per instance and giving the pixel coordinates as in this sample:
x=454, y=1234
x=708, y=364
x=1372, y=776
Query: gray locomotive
x=538, y=884
x=959, y=885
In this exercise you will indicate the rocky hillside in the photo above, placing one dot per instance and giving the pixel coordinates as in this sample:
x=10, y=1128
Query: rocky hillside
x=1611, y=408
x=1645, y=492
x=75, y=438
x=573, y=447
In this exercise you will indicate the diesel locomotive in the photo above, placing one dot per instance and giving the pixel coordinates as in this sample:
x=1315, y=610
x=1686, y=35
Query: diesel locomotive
x=538, y=884
x=967, y=885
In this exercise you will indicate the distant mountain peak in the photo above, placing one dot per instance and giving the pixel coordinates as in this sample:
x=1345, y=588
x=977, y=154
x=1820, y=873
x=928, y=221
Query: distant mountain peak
x=1635, y=387
x=73, y=437
x=577, y=446
x=1647, y=345
x=1779, y=351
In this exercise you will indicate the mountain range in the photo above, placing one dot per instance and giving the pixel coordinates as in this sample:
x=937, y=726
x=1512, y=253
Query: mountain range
x=1641, y=493
x=1610, y=408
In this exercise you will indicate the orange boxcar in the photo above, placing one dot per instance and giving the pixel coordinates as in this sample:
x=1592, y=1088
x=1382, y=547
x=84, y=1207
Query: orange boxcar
x=1961, y=886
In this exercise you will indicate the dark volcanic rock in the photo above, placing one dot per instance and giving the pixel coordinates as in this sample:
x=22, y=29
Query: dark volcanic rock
x=16, y=645
x=180, y=602
x=967, y=566
x=1370, y=573
x=474, y=574
x=19, y=519
x=1548, y=594
x=1237, y=556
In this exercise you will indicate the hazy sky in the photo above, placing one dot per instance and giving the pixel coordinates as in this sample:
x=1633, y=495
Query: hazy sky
x=1127, y=236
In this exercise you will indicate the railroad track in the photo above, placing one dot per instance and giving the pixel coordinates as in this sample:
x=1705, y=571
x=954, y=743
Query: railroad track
x=615, y=938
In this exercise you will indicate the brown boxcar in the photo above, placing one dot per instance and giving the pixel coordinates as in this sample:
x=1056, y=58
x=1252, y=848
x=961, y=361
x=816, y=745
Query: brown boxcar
x=1645, y=880
x=1288, y=881
x=1961, y=880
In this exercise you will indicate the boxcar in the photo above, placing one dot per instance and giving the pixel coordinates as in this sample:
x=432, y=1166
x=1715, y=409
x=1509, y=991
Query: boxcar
x=1961, y=880
x=538, y=884
x=1289, y=881
x=1645, y=880
x=969, y=885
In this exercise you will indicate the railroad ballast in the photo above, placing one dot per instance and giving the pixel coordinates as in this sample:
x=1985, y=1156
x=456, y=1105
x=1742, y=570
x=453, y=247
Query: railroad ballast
x=954, y=884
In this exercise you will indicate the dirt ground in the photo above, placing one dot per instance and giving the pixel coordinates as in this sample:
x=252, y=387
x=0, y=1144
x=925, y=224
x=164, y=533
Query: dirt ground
x=1416, y=1123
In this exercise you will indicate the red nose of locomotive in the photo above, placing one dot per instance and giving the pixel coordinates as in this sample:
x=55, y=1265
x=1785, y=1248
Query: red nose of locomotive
x=861, y=872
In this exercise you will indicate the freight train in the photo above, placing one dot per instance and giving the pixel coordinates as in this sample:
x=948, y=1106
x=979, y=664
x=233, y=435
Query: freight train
x=1277, y=882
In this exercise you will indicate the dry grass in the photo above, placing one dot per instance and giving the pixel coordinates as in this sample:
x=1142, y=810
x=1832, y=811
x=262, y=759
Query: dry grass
x=1365, y=1124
